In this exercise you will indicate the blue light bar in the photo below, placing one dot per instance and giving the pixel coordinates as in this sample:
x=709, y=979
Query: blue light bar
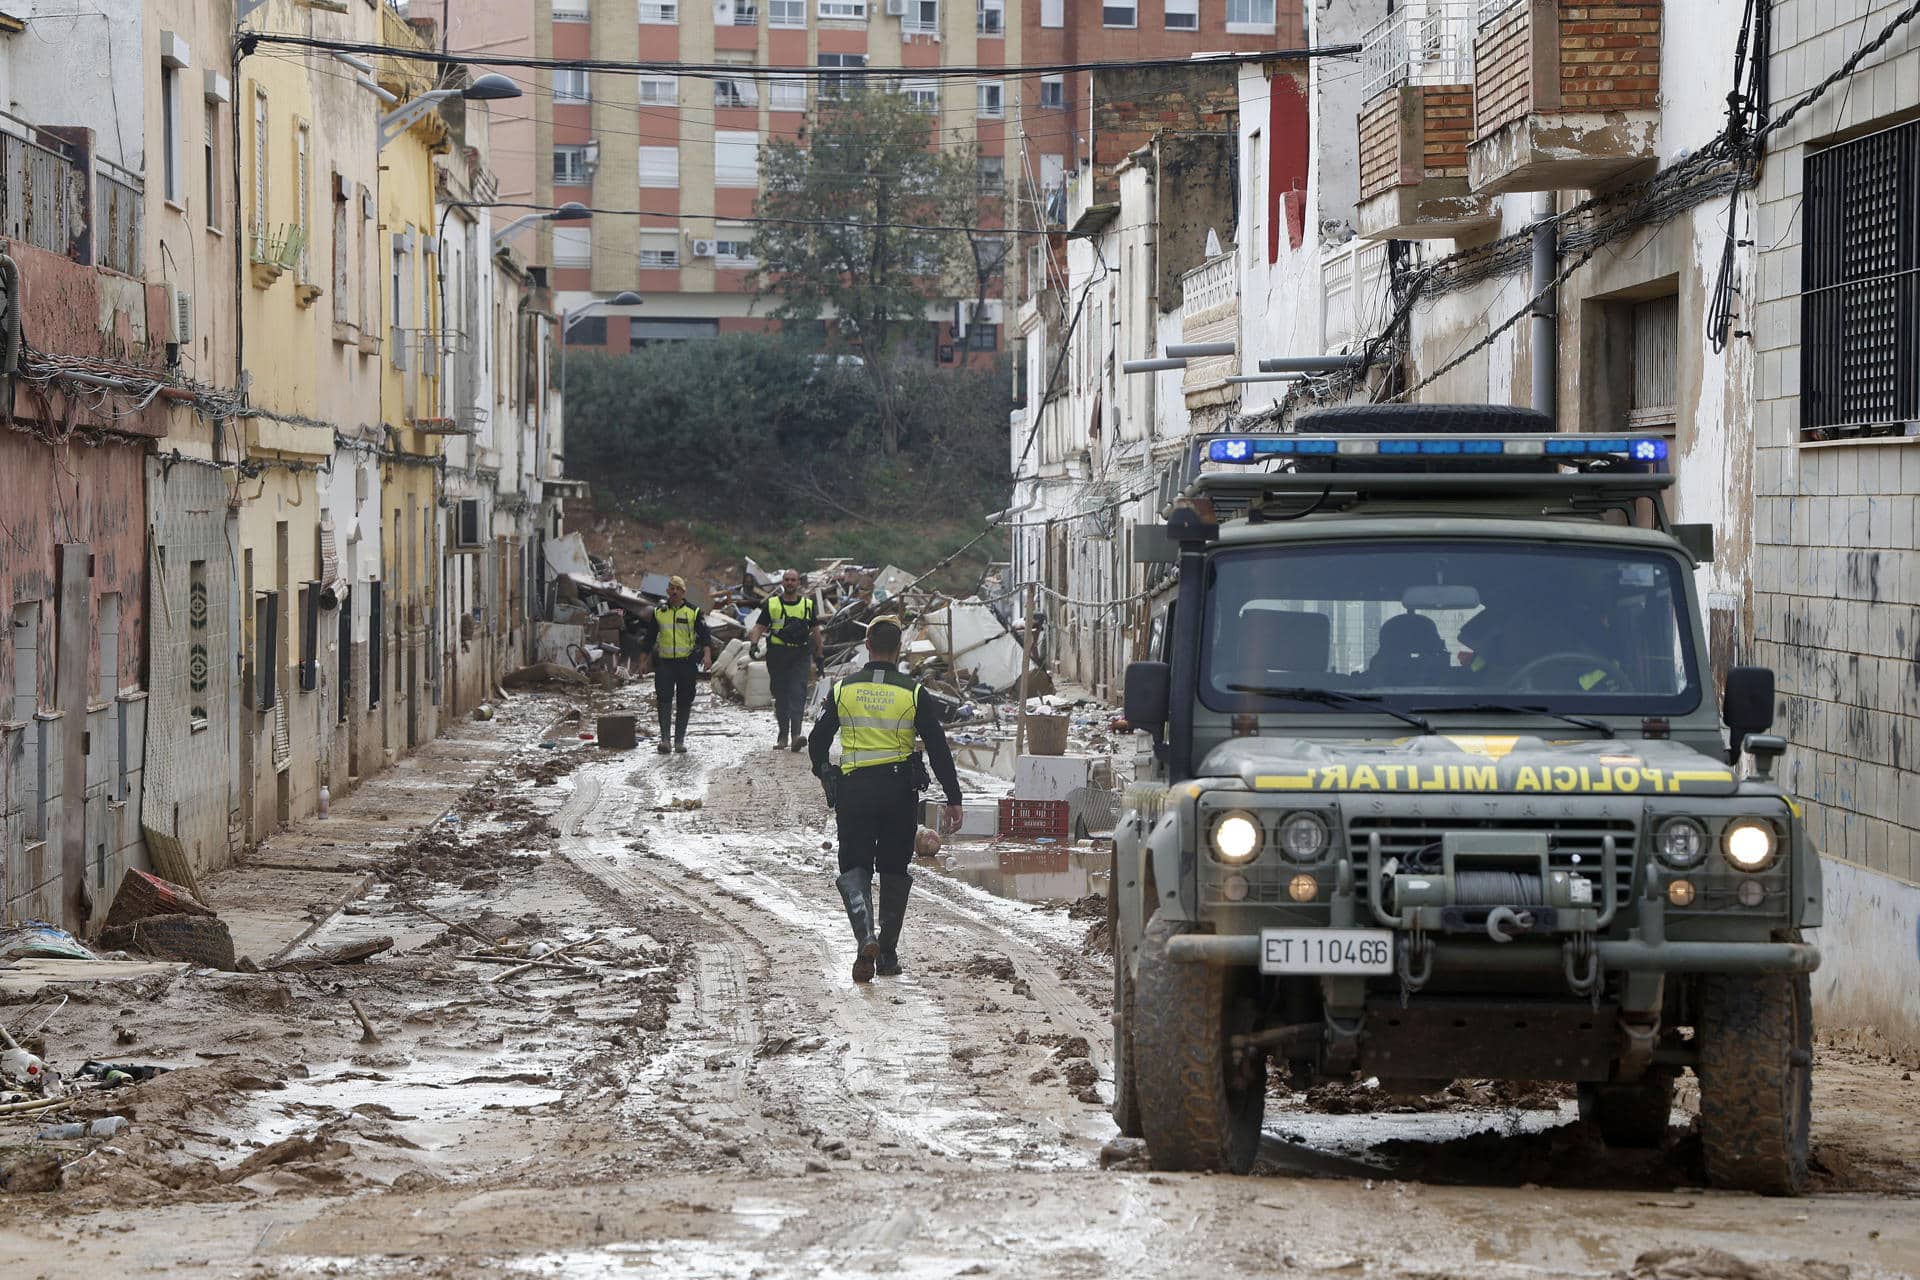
x=1251, y=449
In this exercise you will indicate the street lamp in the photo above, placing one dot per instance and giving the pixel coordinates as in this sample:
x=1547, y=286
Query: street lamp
x=487, y=88
x=624, y=298
x=571, y=211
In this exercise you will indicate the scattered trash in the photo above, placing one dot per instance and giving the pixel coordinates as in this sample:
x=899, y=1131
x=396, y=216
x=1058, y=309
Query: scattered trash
x=104, y=1127
x=107, y=1075
x=38, y=938
x=142, y=895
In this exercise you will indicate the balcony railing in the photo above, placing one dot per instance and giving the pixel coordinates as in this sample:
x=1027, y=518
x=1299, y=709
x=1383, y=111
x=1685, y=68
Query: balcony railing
x=1488, y=11
x=117, y=217
x=43, y=190
x=1208, y=288
x=1425, y=43
x=746, y=15
x=920, y=27
x=1353, y=292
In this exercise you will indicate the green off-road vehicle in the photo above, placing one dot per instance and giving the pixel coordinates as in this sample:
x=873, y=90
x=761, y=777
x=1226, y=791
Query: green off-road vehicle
x=1439, y=790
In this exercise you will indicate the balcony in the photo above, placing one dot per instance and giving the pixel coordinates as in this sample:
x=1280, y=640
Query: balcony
x=1210, y=312
x=1416, y=123
x=1566, y=95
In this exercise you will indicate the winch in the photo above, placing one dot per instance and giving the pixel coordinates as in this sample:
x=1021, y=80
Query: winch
x=1501, y=884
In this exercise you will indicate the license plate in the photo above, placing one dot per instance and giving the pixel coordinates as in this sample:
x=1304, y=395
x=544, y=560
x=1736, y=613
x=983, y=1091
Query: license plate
x=1364, y=951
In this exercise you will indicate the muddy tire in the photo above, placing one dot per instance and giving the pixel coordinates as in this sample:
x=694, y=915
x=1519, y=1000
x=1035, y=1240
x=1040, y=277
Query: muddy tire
x=1126, y=1098
x=1200, y=1102
x=1631, y=1115
x=1755, y=1035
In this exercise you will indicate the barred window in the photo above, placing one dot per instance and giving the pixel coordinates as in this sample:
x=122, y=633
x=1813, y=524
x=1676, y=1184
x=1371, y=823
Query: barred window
x=1860, y=289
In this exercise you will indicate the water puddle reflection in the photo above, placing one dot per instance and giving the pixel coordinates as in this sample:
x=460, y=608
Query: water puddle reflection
x=1030, y=873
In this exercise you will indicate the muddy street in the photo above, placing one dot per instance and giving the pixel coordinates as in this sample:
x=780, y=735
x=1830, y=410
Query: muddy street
x=615, y=1034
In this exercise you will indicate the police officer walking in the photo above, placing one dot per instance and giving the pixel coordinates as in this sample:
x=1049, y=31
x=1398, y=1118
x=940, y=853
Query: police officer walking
x=788, y=622
x=876, y=714
x=679, y=634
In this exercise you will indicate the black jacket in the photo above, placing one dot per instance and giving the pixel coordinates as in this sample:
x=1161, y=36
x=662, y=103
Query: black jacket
x=926, y=724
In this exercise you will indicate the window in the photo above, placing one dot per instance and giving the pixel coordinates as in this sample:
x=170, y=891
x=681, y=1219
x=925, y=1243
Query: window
x=369, y=258
x=343, y=313
x=1053, y=93
x=1053, y=13
x=659, y=249
x=1119, y=15
x=659, y=166
x=737, y=91
x=171, y=157
x=733, y=247
x=1183, y=15
x=571, y=10
x=1256, y=181
x=787, y=13
x=922, y=93
x=837, y=86
x=659, y=91
x=587, y=331
x=1860, y=288
x=991, y=174
x=983, y=337
x=199, y=664
x=569, y=85
x=991, y=97
x=1435, y=625
x=745, y=14
x=991, y=17
x=660, y=15
x=570, y=165
x=922, y=18
x=736, y=159
x=261, y=190
x=572, y=246
x=212, y=158
x=1254, y=15
x=787, y=93
x=303, y=192
x=850, y=10
x=1656, y=345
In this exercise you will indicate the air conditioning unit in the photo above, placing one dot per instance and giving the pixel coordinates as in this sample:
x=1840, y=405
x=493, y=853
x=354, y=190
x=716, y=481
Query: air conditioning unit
x=896, y=8
x=179, y=316
x=704, y=248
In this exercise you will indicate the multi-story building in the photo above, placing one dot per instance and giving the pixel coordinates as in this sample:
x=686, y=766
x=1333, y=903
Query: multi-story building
x=683, y=152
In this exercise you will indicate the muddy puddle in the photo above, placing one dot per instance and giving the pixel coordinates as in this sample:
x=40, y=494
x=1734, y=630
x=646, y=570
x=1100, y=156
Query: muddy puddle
x=1037, y=873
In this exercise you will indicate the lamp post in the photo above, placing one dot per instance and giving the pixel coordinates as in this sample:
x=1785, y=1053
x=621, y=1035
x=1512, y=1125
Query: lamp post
x=487, y=88
x=571, y=211
x=624, y=298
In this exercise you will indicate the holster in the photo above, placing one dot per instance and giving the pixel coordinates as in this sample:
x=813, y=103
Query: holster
x=917, y=773
x=830, y=783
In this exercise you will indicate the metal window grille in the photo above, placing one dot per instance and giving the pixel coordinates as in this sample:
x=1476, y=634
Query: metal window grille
x=1860, y=289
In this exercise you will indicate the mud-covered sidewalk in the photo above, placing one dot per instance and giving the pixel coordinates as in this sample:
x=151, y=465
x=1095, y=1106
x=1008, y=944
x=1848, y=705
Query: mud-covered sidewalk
x=614, y=1034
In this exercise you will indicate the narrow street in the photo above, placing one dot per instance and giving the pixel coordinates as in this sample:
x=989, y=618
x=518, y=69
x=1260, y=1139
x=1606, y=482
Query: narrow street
x=718, y=1099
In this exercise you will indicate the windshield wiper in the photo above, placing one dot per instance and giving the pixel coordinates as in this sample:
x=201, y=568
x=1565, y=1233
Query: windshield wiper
x=1333, y=698
x=1600, y=727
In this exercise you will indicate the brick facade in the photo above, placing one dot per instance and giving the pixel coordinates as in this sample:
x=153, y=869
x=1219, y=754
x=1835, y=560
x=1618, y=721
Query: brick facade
x=1413, y=133
x=1552, y=55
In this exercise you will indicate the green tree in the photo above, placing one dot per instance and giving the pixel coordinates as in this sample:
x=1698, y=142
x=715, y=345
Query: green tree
x=851, y=207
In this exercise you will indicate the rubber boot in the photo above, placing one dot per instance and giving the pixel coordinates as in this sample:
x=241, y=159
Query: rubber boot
x=893, y=914
x=781, y=745
x=856, y=891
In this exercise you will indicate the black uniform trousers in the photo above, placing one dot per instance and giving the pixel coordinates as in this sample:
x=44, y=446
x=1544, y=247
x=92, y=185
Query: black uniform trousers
x=877, y=812
x=787, y=673
x=673, y=680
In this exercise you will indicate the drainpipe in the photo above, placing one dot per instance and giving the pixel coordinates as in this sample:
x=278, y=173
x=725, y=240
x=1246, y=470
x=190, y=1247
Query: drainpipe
x=1546, y=312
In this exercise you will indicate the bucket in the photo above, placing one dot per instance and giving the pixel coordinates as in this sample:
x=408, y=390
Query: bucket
x=1046, y=735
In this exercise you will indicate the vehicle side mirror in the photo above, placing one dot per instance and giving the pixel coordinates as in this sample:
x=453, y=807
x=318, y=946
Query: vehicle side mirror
x=1148, y=691
x=1747, y=706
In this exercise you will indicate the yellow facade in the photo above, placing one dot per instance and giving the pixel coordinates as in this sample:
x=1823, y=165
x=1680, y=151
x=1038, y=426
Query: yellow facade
x=411, y=409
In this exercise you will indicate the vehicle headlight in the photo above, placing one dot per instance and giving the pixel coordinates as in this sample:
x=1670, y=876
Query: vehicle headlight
x=1749, y=845
x=1237, y=837
x=1303, y=837
x=1681, y=843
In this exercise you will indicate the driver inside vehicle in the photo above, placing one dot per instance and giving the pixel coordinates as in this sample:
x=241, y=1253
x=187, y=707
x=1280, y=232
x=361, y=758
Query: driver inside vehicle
x=1524, y=639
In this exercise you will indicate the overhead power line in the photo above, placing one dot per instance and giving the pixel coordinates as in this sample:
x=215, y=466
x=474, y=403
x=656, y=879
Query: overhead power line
x=250, y=40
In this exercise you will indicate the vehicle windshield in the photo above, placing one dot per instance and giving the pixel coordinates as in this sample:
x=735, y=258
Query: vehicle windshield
x=1488, y=624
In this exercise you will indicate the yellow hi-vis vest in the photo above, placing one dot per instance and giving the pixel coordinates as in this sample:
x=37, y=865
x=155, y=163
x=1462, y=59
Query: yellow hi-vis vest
x=779, y=611
x=676, y=630
x=876, y=720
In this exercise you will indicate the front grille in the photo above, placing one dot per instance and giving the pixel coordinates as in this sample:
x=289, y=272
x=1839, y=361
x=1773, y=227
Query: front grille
x=1573, y=844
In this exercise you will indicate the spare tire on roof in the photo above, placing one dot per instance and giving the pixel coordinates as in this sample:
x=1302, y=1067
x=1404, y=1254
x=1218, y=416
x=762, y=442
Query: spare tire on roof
x=1424, y=419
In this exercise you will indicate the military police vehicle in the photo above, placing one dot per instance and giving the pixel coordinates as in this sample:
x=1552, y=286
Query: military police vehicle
x=1439, y=790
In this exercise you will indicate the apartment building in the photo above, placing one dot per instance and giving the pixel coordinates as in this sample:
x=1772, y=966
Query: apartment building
x=684, y=152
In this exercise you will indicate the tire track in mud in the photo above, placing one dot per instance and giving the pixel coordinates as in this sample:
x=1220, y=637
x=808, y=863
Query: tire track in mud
x=747, y=865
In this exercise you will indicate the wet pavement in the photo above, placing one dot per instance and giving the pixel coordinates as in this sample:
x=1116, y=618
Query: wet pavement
x=707, y=1094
